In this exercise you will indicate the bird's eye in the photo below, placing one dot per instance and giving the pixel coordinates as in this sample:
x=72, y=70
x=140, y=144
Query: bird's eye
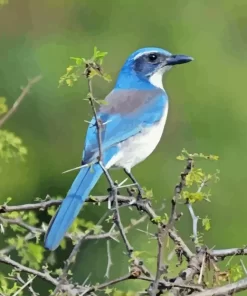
x=152, y=57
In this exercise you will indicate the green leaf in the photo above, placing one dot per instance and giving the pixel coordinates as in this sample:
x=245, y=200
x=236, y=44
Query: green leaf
x=31, y=254
x=157, y=219
x=236, y=272
x=193, y=196
x=206, y=223
x=78, y=61
x=181, y=157
x=108, y=291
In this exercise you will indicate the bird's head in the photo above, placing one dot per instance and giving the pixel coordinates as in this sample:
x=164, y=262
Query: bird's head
x=151, y=63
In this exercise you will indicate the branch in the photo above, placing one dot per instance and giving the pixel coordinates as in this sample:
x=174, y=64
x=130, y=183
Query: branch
x=194, y=222
x=143, y=205
x=56, y=202
x=117, y=218
x=187, y=275
x=44, y=276
x=23, y=94
x=91, y=101
x=109, y=260
x=88, y=291
x=136, y=263
x=193, y=215
x=228, y=252
x=163, y=230
x=229, y=289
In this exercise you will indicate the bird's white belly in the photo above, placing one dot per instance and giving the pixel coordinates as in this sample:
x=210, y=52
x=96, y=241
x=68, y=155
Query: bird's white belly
x=139, y=147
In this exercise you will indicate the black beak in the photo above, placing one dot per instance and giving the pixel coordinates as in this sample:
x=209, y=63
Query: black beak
x=178, y=59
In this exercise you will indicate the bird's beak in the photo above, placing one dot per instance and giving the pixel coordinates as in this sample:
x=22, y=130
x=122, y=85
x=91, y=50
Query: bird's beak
x=178, y=59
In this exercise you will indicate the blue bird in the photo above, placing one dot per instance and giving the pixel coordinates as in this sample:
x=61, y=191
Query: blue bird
x=135, y=116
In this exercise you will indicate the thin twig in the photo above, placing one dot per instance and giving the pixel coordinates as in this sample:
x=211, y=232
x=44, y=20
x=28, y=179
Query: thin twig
x=20, y=280
x=24, y=286
x=23, y=94
x=194, y=222
x=22, y=224
x=117, y=218
x=72, y=257
x=163, y=230
x=56, y=202
x=244, y=267
x=44, y=276
x=97, y=120
x=228, y=252
x=89, y=290
x=109, y=260
x=202, y=270
x=193, y=215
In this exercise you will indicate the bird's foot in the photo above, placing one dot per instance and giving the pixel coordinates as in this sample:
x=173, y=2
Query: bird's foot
x=113, y=192
x=141, y=193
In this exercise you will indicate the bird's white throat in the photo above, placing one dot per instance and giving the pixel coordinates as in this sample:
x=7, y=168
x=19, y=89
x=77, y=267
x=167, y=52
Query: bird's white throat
x=156, y=78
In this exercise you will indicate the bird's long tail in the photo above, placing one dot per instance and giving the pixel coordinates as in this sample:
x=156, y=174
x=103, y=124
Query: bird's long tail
x=71, y=205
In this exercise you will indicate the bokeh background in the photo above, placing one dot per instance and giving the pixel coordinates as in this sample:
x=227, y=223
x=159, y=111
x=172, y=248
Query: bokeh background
x=207, y=113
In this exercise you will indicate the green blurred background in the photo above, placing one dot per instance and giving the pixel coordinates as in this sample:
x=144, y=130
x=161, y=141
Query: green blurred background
x=207, y=103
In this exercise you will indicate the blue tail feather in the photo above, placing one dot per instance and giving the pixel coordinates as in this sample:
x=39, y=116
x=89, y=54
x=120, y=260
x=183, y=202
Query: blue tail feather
x=71, y=205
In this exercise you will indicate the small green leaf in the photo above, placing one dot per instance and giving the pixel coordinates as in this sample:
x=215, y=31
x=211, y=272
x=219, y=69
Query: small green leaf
x=236, y=272
x=157, y=219
x=206, y=223
x=108, y=291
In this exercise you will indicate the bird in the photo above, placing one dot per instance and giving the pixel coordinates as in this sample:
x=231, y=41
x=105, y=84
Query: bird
x=133, y=117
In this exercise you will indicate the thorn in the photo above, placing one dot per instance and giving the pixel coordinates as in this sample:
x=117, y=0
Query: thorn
x=74, y=169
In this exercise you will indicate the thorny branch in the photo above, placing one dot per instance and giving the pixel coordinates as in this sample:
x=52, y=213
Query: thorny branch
x=193, y=215
x=163, y=229
x=180, y=285
x=91, y=99
x=44, y=276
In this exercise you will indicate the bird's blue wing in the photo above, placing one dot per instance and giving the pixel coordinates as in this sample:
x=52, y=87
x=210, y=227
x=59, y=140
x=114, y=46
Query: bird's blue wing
x=127, y=112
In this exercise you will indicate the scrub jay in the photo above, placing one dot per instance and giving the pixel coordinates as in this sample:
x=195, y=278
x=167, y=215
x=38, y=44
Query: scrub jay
x=135, y=116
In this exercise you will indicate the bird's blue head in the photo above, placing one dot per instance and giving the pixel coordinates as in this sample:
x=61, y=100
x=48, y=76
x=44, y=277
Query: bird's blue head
x=145, y=67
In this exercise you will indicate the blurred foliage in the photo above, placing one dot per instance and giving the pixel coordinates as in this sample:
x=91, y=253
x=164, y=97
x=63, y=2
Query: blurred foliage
x=3, y=106
x=207, y=103
x=11, y=146
x=3, y=2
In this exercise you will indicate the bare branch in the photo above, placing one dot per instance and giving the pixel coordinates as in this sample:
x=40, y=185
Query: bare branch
x=44, y=276
x=23, y=94
x=117, y=218
x=55, y=202
x=187, y=275
x=97, y=120
x=24, y=286
x=244, y=267
x=20, y=280
x=228, y=252
x=109, y=263
x=163, y=230
x=229, y=289
x=194, y=222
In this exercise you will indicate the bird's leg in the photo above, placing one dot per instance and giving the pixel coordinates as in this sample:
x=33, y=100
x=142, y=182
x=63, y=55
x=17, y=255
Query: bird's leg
x=133, y=179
